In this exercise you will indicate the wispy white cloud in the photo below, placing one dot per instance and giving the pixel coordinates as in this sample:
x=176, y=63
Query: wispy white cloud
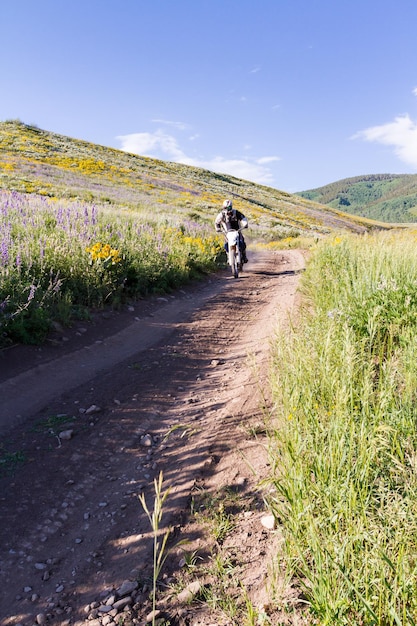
x=179, y=125
x=249, y=169
x=401, y=134
x=160, y=145
x=152, y=145
x=267, y=159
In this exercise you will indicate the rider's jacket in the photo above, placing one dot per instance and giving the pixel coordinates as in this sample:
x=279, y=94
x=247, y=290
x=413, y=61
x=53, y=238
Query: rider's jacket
x=229, y=223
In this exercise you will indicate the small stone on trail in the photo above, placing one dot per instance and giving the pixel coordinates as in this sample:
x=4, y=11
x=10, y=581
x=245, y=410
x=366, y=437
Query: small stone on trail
x=146, y=441
x=66, y=434
x=187, y=594
x=93, y=409
x=152, y=616
x=119, y=605
x=268, y=522
x=127, y=588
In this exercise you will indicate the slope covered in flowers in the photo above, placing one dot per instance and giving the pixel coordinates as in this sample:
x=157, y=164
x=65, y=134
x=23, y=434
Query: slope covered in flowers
x=58, y=258
x=36, y=161
x=85, y=226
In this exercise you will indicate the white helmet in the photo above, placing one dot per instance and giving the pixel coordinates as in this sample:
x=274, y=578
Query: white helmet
x=228, y=209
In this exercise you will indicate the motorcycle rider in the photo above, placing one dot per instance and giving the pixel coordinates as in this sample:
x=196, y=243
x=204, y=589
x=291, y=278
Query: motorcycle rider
x=232, y=219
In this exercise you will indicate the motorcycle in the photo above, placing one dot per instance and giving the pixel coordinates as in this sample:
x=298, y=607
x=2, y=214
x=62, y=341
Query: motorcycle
x=234, y=252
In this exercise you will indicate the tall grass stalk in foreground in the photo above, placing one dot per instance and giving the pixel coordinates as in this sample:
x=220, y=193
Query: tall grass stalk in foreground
x=344, y=446
x=159, y=547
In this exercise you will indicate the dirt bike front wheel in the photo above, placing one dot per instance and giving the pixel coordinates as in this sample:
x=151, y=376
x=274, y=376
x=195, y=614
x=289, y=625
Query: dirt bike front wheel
x=233, y=263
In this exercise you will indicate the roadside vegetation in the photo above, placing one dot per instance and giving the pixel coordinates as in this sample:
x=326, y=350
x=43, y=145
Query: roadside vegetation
x=60, y=259
x=344, y=433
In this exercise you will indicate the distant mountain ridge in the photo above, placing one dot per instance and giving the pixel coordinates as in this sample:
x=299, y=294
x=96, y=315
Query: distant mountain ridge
x=389, y=198
x=37, y=161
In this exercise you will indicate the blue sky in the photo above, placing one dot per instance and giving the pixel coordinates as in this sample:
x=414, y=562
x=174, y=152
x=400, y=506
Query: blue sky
x=293, y=94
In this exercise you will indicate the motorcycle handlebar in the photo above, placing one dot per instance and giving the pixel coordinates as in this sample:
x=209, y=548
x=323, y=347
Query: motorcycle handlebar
x=237, y=230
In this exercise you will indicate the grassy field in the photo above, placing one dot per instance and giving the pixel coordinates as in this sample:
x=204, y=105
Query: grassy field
x=344, y=435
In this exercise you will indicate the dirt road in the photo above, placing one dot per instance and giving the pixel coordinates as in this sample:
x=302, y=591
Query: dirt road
x=174, y=385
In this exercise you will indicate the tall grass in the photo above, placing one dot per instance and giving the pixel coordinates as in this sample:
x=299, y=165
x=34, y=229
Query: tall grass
x=344, y=443
x=58, y=256
x=159, y=545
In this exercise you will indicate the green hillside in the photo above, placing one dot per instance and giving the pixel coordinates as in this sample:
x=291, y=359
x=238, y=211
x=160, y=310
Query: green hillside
x=383, y=197
x=39, y=162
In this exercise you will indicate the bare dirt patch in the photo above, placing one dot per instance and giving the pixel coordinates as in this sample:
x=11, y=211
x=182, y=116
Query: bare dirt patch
x=175, y=385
